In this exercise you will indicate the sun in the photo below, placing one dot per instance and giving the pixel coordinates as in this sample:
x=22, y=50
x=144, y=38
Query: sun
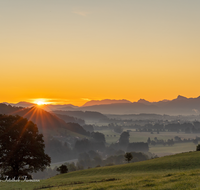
x=40, y=102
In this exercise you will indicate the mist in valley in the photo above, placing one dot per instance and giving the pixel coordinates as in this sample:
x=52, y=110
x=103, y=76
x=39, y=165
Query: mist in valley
x=89, y=139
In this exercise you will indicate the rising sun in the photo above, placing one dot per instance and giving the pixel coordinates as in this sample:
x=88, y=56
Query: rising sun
x=40, y=102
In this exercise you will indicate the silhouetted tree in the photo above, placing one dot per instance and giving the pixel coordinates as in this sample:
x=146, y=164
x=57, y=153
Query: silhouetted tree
x=21, y=147
x=170, y=142
x=82, y=145
x=128, y=157
x=198, y=147
x=177, y=138
x=149, y=140
x=98, y=137
x=62, y=169
x=124, y=138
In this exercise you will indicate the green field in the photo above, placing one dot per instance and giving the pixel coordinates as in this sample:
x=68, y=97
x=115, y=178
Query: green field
x=143, y=136
x=159, y=150
x=180, y=171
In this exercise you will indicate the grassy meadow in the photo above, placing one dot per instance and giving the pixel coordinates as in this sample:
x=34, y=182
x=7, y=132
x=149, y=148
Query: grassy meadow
x=180, y=171
x=161, y=150
x=143, y=136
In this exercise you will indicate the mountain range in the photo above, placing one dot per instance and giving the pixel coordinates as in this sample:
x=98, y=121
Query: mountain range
x=178, y=106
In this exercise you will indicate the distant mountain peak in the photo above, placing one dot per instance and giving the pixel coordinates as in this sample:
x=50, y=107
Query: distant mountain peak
x=5, y=103
x=21, y=104
x=105, y=101
x=165, y=100
x=143, y=101
x=179, y=97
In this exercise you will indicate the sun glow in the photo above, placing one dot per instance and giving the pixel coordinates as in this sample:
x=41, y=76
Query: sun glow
x=40, y=102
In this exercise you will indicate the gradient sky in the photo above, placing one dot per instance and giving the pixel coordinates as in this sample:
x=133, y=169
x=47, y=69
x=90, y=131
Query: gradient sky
x=71, y=51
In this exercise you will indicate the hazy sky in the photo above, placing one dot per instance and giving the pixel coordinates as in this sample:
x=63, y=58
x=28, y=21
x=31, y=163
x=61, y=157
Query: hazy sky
x=74, y=50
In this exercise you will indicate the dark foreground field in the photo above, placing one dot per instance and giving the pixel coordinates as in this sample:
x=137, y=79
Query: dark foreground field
x=180, y=171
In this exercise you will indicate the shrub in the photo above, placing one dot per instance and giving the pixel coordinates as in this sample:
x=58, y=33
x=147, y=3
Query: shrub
x=198, y=147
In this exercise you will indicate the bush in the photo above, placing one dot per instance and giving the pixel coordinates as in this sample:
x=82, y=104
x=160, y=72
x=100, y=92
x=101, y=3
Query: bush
x=62, y=169
x=198, y=147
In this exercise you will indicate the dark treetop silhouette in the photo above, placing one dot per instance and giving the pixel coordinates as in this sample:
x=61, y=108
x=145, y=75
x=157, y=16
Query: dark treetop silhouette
x=21, y=147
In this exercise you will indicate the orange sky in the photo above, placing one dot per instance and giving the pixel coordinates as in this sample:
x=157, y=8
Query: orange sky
x=71, y=51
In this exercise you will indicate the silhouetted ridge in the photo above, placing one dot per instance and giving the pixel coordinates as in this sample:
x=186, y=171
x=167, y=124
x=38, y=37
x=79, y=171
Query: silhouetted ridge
x=179, y=106
x=45, y=121
x=87, y=115
x=143, y=101
x=106, y=101
x=181, y=97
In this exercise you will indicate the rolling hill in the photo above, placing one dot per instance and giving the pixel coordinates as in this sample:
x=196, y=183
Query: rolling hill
x=180, y=171
x=85, y=115
x=46, y=122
